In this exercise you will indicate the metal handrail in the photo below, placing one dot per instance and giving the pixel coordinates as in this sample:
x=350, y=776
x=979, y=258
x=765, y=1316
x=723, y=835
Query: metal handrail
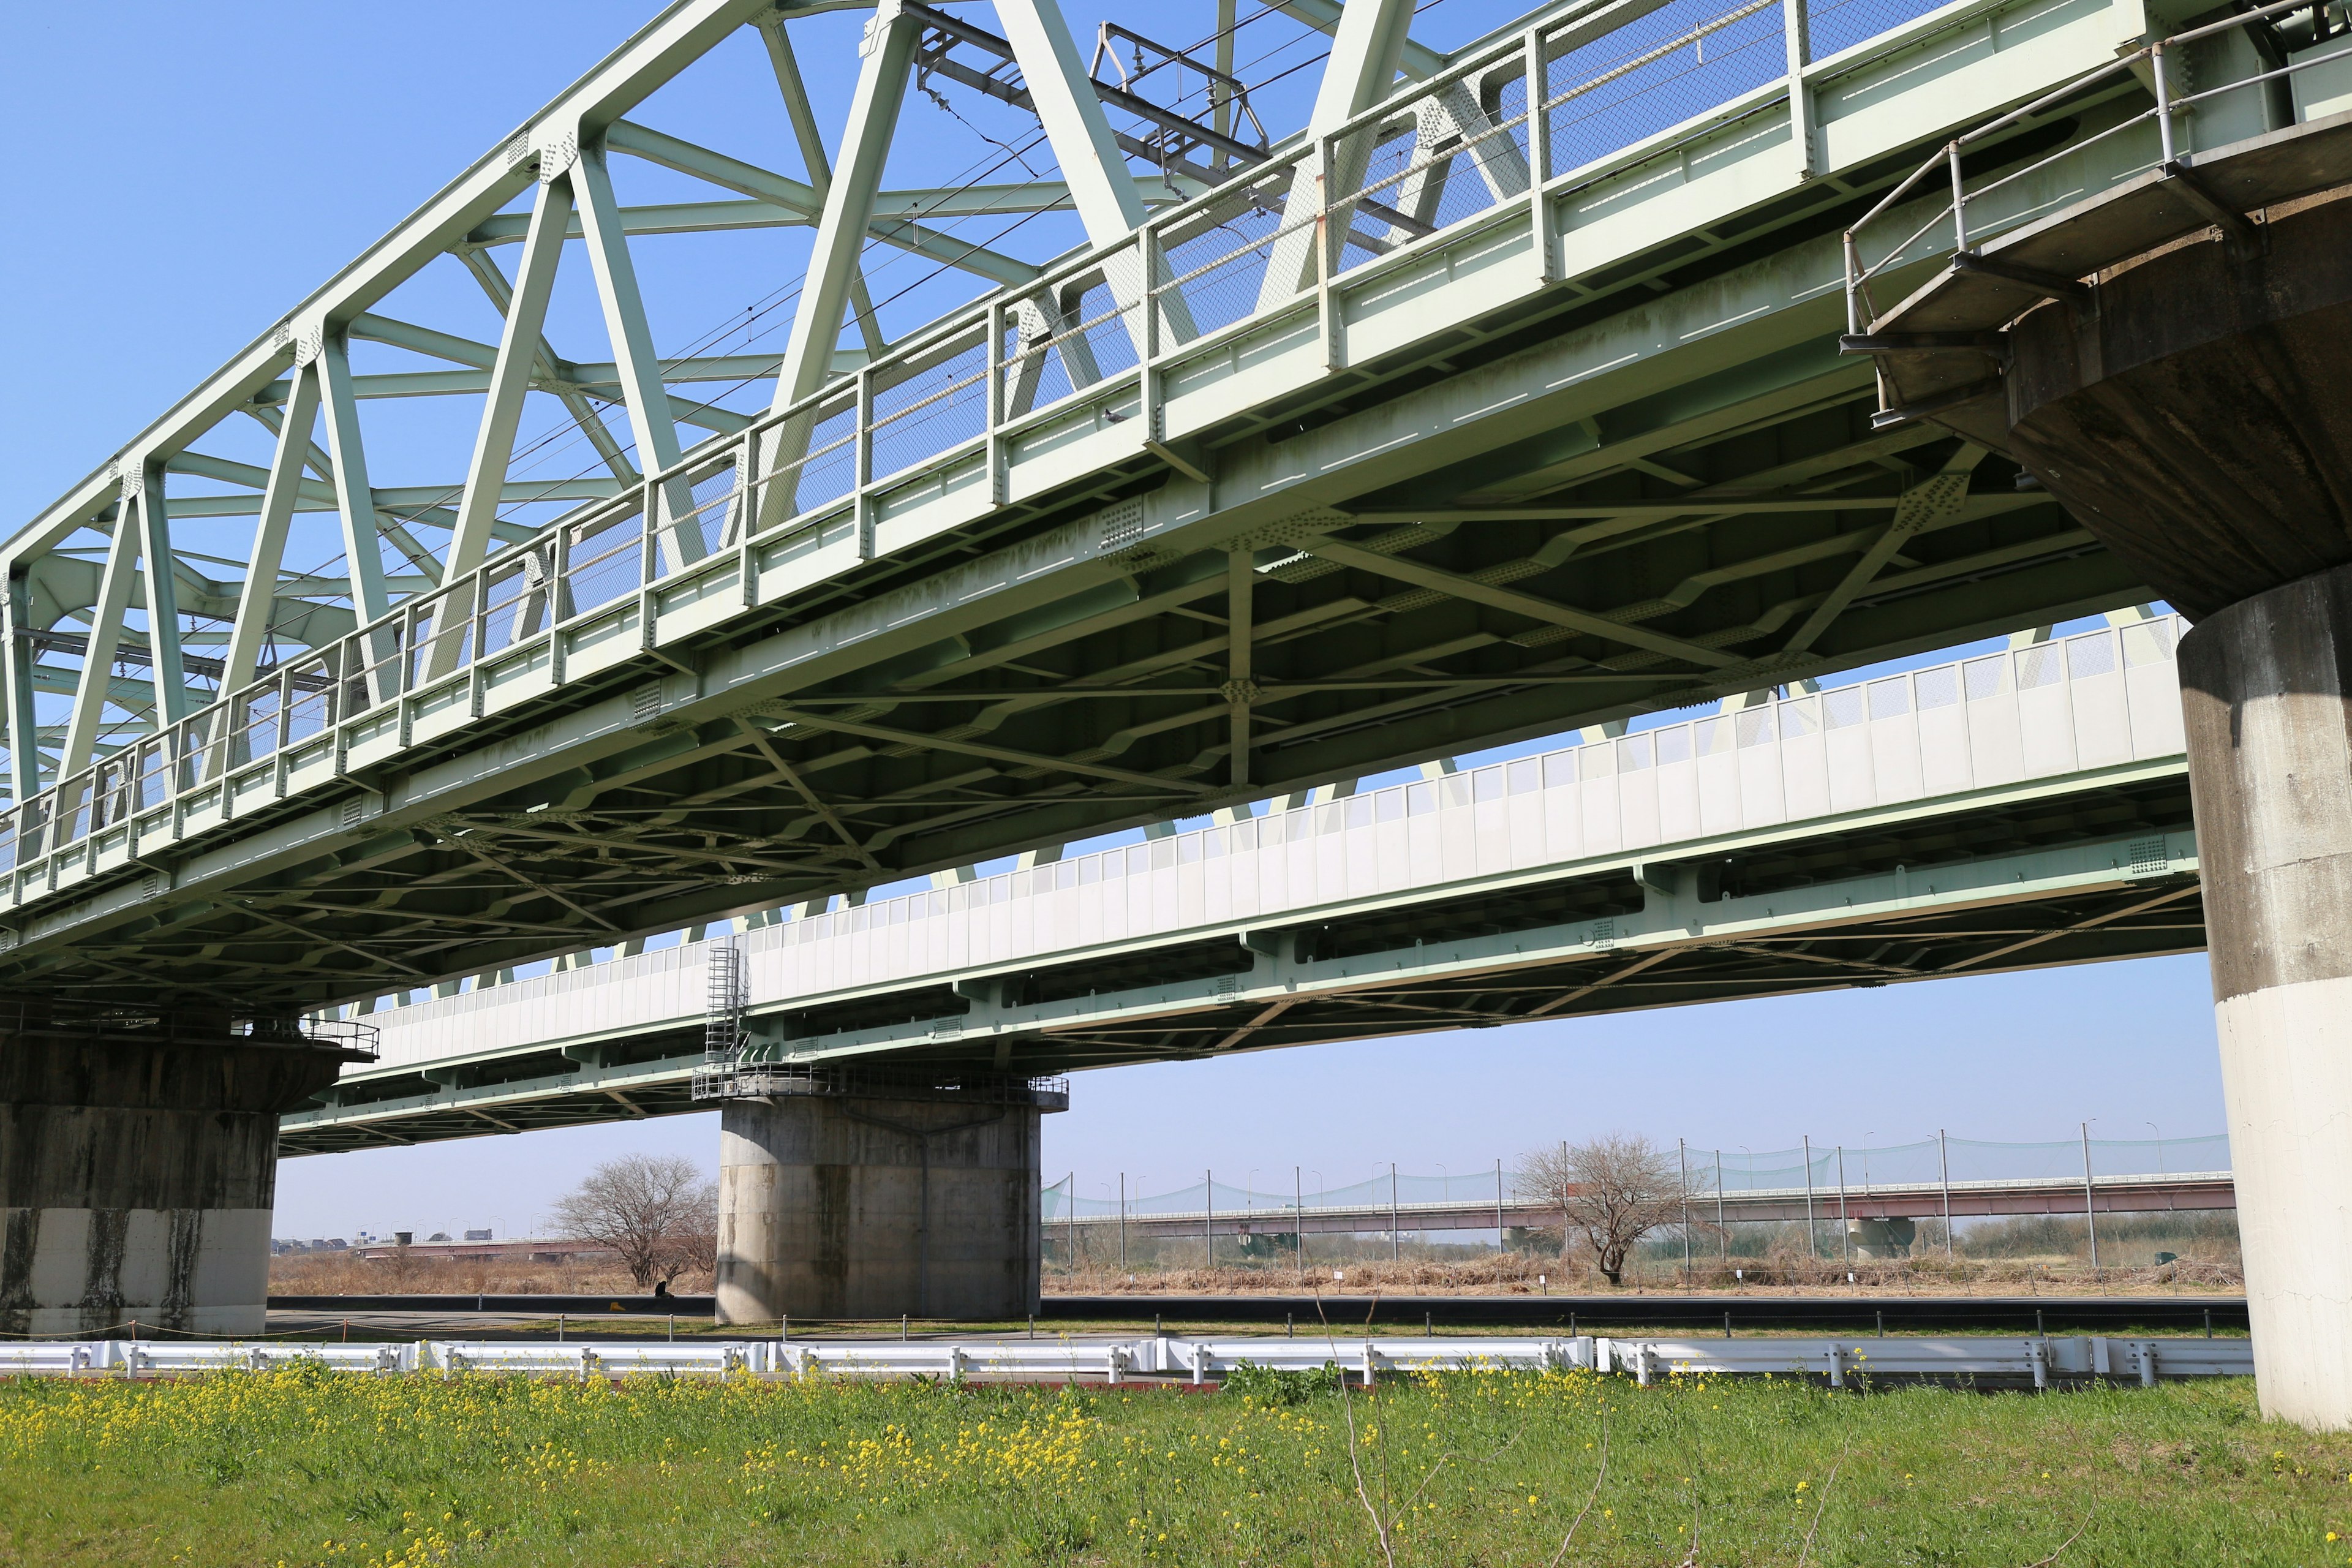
x=1860, y=308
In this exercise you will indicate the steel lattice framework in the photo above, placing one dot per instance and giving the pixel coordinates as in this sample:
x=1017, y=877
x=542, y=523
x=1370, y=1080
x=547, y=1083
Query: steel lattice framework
x=1463, y=413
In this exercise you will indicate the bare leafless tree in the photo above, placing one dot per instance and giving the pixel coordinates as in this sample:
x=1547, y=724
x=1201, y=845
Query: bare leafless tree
x=1614, y=1191
x=660, y=1212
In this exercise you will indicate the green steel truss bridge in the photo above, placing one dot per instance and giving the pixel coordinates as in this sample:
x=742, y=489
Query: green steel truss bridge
x=1463, y=413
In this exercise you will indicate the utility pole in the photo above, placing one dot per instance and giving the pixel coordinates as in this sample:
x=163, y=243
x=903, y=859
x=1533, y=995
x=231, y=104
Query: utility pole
x=1122, y=1219
x=1393, y=1212
x=1208, y=1205
x=1498, y=1206
x=1298, y=1206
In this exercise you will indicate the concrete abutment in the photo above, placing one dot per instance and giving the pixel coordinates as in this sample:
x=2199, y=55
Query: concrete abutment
x=138, y=1167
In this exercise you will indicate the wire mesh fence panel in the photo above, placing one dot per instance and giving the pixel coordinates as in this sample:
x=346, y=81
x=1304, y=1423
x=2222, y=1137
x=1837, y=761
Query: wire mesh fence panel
x=812, y=461
x=1842, y=24
x=1457, y=152
x=1856, y=1170
x=926, y=414
x=1651, y=74
x=1100, y=323
x=311, y=698
x=1217, y=262
x=445, y=635
x=707, y=520
x=253, y=734
x=514, y=600
x=606, y=560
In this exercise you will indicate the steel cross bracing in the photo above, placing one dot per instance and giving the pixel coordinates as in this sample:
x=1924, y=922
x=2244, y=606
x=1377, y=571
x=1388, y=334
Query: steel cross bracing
x=1419, y=431
x=2018, y=809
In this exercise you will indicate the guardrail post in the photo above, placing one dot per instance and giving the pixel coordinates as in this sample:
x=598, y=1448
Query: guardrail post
x=997, y=477
x=1147, y=368
x=2163, y=100
x=1796, y=30
x=1326, y=147
x=1547, y=245
x=1959, y=198
x=862, y=450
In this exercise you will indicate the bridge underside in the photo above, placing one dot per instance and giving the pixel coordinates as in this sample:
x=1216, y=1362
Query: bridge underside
x=1718, y=514
x=2106, y=870
x=950, y=752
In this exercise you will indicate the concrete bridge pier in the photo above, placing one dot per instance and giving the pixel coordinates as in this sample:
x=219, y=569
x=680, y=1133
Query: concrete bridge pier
x=2193, y=409
x=2266, y=691
x=1878, y=1238
x=842, y=1199
x=138, y=1166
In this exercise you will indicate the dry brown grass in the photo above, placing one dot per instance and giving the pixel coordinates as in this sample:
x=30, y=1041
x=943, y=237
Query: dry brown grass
x=340, y=1273
x=1518, y=1274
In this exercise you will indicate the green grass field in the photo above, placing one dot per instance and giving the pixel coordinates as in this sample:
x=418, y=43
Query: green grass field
x=294, y=1467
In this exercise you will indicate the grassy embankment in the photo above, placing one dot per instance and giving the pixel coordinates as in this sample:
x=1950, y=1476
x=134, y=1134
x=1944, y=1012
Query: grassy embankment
x=312, y=1468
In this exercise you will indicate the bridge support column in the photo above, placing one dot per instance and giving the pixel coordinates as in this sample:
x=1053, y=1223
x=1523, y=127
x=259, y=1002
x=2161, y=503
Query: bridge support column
x=2266, y=688
x=2191, y=407
x=850, y=1203
x=137, y=1175
x=1881, y=1239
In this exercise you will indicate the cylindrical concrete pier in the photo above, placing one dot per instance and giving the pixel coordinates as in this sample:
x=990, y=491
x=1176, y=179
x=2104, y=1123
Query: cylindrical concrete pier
x=834, y=1205
x=137, y=1175
x=2266, y=689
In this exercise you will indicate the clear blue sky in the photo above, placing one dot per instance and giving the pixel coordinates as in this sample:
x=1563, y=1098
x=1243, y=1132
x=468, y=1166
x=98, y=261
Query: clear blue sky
x=184, y=173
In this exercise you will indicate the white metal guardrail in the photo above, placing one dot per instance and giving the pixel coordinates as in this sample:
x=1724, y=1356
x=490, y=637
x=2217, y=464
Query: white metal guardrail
x=2040, y=1361
x=2100, y=699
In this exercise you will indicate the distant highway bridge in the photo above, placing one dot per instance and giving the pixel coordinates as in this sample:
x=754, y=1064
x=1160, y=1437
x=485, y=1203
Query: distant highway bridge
x=2192, y=1190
